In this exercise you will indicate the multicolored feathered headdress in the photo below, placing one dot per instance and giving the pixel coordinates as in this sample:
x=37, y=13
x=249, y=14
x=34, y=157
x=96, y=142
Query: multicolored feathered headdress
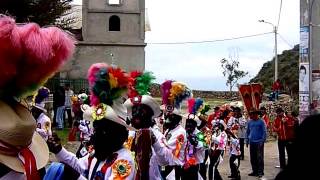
x=107, y=84
x=29, y=55
x=139, y=85
x=173, y=94
x=194, y=108
x=195, y=105
x=42, y=94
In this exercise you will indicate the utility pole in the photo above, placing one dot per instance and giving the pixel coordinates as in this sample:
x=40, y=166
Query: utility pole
x=275, y=30
x=275, y=54
x=310, y=54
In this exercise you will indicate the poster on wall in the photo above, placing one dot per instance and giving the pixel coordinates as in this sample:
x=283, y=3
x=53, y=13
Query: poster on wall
x=304, y=78
x=304, y=40
x=304, y=103
x=304, y=88
x=316, y=90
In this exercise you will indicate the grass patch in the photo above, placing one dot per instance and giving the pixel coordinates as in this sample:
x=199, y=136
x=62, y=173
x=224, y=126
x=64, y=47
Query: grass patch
x=63, y=135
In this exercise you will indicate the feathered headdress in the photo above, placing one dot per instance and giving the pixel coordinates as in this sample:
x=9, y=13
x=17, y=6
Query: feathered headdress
x=195, y=105
x=107, y=83
x=173, y=93
x=30, y=55
x=140, y=83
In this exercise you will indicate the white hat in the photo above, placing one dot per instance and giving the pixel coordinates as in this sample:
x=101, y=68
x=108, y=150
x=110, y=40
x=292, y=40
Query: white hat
x=144, y=99
x=193, y=117
x=170, y=109
x=104, y=111
x=41, y=106
x=119, y=108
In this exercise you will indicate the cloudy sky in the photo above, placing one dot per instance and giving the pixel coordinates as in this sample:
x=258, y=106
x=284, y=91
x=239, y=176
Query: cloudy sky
x=198, y=64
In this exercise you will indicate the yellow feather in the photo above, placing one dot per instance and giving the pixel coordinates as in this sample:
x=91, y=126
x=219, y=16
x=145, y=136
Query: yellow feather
x=113, y=81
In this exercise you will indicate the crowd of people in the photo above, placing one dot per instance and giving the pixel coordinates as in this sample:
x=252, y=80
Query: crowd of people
x=204, y=138
x=125, y=132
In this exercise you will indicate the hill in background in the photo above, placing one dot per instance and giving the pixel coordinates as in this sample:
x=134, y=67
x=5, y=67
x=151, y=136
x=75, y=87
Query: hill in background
x=288, y=66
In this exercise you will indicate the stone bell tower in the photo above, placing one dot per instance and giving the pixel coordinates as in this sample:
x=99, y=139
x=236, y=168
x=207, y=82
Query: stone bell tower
x=113, y=31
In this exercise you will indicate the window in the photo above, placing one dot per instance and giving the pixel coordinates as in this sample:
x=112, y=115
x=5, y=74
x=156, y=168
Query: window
x=114, y=23
x=114, y=2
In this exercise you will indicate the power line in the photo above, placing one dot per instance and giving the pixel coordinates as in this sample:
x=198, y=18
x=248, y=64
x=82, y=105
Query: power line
x=211, y=41
x=284, y=40
x=279, y=16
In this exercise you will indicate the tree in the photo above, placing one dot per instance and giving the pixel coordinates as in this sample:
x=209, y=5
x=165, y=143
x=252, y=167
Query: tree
x=231, y=71
x=288, y=72
x=43, y=12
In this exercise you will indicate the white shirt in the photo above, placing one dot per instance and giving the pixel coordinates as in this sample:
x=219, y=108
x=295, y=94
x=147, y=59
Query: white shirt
x=241, y=122
x=235, y=147
x=219, y=140
x=85, y=130
x=81, y=165
x=200, y=150
x=170, y=149
x=68, y=94
x=44, y=126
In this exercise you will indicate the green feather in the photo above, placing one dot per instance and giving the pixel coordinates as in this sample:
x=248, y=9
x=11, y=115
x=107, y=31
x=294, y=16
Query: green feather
x=144, y=82
x=205, y=109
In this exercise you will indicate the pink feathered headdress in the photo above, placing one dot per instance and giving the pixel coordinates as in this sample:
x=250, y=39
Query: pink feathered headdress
x=29, y=55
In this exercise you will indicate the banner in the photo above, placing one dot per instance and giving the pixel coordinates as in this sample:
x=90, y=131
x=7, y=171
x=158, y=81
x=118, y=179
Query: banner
x=251, y=95
x=256, y=94
x=245, y=92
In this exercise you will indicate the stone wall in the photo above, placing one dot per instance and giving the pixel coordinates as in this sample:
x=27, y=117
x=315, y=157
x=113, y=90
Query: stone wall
x=155, y=91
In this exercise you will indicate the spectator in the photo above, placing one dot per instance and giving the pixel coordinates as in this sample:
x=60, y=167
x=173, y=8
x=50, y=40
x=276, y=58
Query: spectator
x=302, y=164
x=256, y=135
x=284, y=127
x=59, y=98
x=265, y=116
x=276, y=88
x=67, y=103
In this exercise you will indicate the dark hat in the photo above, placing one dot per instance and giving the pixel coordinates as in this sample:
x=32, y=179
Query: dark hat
x=279, y=110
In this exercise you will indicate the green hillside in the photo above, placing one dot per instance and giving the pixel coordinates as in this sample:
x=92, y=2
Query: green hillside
x=288, y=72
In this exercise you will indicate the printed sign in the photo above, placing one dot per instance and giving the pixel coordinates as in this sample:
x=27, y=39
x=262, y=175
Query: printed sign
x=303, y=78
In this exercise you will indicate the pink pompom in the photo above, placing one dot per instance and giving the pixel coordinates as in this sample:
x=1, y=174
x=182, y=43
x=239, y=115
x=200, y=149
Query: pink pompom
x=92, y=72
x=29, y=55
x=165, y=91
x=44, y=51
x=94, y=100
x=191, y=103
x=37, y=45
x=10, y=50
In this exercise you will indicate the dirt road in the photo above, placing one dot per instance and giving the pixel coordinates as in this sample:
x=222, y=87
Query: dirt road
x=270, y=161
